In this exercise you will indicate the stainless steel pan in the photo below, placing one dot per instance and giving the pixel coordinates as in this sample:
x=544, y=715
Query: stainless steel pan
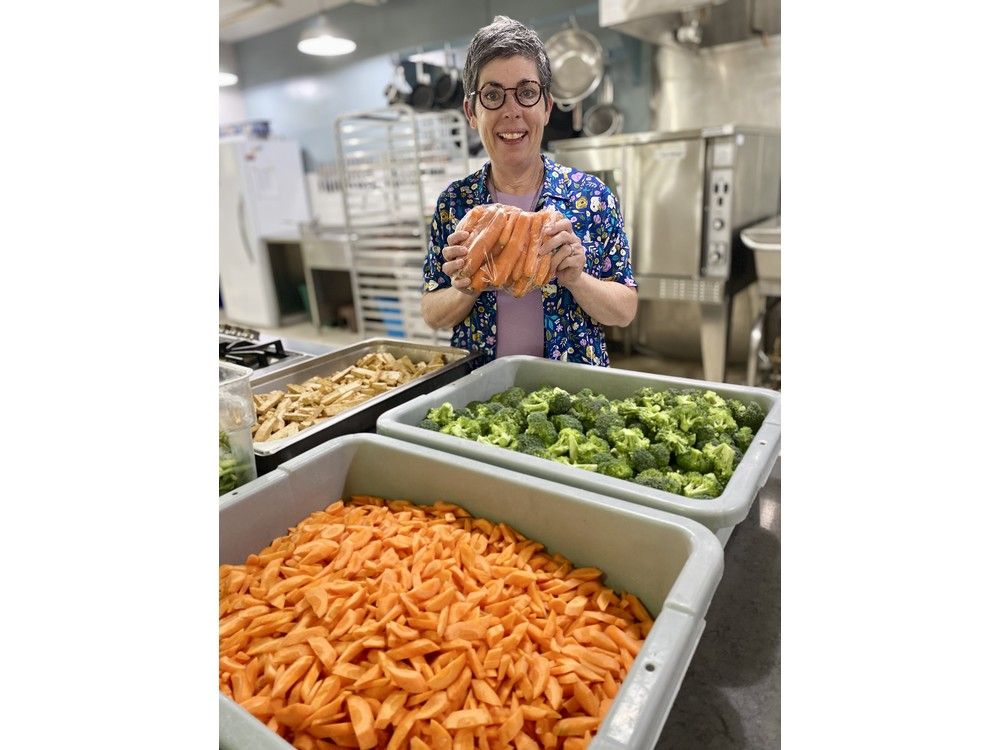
x=577, y=61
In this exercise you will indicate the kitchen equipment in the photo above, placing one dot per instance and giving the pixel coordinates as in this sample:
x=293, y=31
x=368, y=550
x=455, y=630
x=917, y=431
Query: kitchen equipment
x=397, y=90
x=685, y=196
x=422, y=96
x=719, y=514
x=670, y=563
x=765, y=241
x=394, y=163
x=604, y=118
x=577, y=62
x=262, y=199
x=249, y=348
x=698, y=23
x=236, y=420
x=361, y=418
x=448, y=88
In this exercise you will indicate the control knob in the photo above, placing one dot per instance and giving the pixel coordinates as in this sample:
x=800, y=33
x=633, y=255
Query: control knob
x=718, y=224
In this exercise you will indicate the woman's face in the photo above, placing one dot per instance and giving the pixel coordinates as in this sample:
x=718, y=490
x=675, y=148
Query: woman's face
x=511, y=134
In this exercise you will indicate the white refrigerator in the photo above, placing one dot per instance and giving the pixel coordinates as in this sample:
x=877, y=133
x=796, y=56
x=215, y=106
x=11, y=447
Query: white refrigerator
x=262, y=196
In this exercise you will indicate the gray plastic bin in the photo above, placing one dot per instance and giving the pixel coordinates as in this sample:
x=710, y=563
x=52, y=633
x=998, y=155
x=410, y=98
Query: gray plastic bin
x=671, y=563
x=719, y=514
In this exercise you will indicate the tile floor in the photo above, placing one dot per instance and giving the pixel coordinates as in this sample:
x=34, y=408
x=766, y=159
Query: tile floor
x=731, y=695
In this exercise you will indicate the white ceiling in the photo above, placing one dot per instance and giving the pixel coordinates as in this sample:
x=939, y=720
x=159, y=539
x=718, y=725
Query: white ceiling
x=243, y=19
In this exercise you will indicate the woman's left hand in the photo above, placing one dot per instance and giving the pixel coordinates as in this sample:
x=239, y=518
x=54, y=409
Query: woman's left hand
x=568, y=256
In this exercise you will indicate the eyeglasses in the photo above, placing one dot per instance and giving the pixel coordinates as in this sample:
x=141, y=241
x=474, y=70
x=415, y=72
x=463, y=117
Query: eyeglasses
x=493, y=95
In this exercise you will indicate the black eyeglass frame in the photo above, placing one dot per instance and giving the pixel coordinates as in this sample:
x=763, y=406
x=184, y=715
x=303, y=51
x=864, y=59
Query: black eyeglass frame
x=478, y=94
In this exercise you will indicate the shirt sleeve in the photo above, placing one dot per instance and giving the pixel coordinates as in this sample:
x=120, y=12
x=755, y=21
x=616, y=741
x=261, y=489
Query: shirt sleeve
x=615, y=264
x=443, y=223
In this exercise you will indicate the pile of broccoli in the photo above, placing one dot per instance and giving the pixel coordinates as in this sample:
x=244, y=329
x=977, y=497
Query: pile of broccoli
x=686, y=442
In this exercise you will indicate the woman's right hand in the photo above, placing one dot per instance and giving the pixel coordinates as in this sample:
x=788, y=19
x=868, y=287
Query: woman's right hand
x=454, y=261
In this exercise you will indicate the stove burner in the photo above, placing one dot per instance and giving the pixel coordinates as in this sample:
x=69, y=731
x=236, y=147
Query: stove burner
x=240, y=333
x=252, y=354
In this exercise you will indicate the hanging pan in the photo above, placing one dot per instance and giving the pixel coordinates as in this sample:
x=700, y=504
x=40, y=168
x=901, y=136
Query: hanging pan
x=448, y=89
x=577, y=61
x=604, y=118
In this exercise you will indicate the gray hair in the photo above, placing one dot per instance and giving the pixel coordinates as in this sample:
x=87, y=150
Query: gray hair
x=504, y=38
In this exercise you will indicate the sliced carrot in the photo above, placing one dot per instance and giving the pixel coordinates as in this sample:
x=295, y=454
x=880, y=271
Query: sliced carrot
x=362, y=721
x=473, y=717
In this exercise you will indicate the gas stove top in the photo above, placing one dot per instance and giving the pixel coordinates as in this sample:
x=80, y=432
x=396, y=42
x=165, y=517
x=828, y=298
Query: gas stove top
x=247, y=347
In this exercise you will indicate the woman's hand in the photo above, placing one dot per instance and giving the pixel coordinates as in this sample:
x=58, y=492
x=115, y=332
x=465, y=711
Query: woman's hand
x=454, y=256
x=568, y=256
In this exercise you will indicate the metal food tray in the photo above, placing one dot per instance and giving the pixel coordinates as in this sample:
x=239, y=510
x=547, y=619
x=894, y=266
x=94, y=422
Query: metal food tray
x=719, y=514
x=671, y=563
x=361, y=418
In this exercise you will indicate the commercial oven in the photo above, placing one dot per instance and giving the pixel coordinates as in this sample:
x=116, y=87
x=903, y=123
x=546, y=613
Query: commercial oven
x=685, y=196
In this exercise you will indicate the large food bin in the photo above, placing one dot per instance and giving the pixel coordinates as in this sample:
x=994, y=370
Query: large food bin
x=672, y=564
x=719, y=514
x=361, y=418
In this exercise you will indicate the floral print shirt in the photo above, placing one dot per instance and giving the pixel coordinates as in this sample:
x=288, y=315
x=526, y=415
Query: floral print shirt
x=571, y=335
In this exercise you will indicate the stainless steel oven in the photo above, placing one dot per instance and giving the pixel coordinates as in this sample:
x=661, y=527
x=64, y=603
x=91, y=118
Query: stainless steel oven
x=685, y=196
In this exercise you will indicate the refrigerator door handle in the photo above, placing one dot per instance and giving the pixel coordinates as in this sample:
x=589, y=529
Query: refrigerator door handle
x=241, y=220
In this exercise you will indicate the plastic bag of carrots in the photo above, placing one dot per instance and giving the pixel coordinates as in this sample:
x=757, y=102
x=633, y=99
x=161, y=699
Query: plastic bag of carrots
x=503, y=248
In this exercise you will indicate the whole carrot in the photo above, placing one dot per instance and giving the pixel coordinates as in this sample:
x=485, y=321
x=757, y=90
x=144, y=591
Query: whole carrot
x=531, y=241
x=509, y=256
x=483, y=242
x=510, y=214
x=471, y=219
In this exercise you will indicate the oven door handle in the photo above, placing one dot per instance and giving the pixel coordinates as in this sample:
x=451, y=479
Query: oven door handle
x=241, y=221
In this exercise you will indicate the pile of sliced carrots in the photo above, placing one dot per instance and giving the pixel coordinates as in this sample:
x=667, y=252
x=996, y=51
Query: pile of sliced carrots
x=385, y=624
x=503, y=244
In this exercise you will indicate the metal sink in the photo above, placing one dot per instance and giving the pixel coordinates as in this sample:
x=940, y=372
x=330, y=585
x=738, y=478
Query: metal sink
x=765, y=241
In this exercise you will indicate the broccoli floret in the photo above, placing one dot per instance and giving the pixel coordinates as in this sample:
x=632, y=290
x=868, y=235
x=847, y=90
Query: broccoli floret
x=661, y=454
x=560, y=401
x=463, y=427
x=536, y=417
x=652, y=397
x=747, y=414
x=670, y=482
x=724, y=459
x=674, y=439
x=499, y=433
x=702, y=485
x=567, y=444
x=625, y=440
x=604, y=457
x=626, y=407
x=474, y=405
x=640, y=460
x=588, y=406
x=429, y=424
x=464, y=412
x=607, y=421
x=713, y=399
x=742, y=438
x=617, y=468
x=694, y=460
x=534, y=402
x=543, y=429
x=567, y=421
x=690, y=414
x=510, y=397
x=588, y=450
x=442, y=414
x=530, y=444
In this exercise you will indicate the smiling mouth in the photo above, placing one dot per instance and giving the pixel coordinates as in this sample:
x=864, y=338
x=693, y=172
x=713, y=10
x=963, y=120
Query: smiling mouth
x=513, y=137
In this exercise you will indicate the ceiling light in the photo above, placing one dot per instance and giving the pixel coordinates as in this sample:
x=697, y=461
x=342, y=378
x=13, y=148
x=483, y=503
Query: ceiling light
x=321, y=39
x=227, y=79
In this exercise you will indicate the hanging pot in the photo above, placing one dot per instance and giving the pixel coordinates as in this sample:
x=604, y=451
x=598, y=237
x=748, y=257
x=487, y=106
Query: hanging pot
x=577, y=62
x=604, y=118
x=448, y=89
x=422, y=96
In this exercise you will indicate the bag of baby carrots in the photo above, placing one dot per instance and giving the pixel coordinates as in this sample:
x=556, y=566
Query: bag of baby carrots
x=504, y=245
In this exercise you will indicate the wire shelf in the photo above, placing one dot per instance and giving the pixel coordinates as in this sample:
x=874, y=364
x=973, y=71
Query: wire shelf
x=393, y=163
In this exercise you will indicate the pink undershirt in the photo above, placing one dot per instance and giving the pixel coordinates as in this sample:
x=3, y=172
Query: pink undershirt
x=520, y=322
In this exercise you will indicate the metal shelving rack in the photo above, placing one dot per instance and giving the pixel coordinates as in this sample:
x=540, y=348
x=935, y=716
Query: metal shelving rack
x=394, y=163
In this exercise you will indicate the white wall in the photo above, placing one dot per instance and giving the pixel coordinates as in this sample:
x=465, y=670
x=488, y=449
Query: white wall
x=232, y=107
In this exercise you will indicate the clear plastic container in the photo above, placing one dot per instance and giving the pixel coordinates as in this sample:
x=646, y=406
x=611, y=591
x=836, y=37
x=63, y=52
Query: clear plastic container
x=236, y=420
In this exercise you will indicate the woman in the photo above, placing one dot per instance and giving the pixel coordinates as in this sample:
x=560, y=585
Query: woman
x=507, y=77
